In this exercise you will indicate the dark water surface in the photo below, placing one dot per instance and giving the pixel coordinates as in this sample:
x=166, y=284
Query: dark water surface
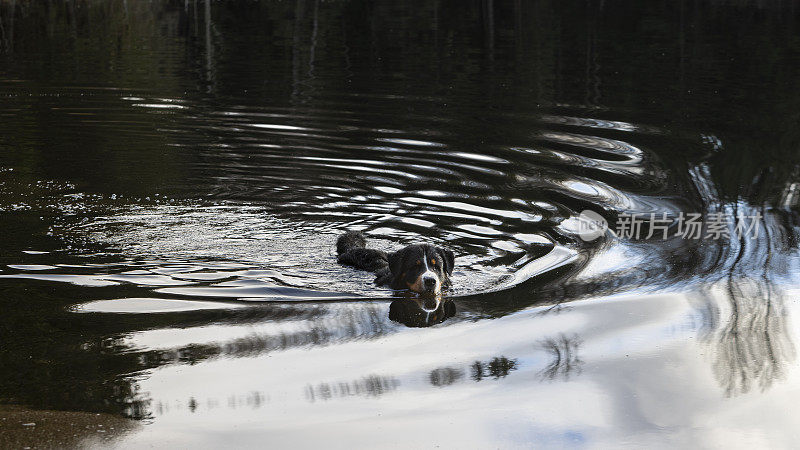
x=173, y=177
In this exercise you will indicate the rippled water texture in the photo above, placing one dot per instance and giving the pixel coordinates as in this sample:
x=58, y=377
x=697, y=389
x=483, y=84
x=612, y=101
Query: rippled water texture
x=174, y=175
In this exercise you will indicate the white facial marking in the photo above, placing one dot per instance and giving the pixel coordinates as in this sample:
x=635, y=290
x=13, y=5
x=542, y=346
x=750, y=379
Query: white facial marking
x=429, y=273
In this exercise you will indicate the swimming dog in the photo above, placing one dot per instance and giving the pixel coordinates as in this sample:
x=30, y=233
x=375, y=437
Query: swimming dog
x=421, y=268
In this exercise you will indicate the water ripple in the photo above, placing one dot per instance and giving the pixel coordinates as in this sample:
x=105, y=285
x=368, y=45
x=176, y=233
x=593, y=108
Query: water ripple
x=281, y=183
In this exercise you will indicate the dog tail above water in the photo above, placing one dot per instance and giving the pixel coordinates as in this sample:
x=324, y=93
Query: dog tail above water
x=352, y=251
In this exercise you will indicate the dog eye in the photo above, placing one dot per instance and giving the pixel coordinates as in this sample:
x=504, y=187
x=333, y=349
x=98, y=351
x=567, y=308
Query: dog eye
x=433, y=261
x=419, y=262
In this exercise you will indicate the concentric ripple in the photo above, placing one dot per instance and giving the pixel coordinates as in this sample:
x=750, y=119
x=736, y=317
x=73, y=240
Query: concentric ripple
x=266, y=191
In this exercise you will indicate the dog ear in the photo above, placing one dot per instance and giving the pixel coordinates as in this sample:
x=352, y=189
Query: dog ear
x=396, y=261
x=448, y=259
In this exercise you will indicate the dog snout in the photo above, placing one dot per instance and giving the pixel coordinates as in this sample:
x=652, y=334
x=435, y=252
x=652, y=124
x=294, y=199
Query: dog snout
x=429, y=283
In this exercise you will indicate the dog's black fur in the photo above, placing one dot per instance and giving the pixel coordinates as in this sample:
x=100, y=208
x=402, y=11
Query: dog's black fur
x=422, y=268
x=411, y=313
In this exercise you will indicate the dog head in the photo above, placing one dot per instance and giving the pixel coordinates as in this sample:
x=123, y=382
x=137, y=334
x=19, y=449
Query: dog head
x=421, y=268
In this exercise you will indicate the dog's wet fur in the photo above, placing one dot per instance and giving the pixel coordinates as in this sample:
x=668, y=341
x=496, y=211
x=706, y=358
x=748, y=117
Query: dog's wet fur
x=421, y=268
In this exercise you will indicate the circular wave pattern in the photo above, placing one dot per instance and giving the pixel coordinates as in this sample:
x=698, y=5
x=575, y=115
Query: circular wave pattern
x=264, y=192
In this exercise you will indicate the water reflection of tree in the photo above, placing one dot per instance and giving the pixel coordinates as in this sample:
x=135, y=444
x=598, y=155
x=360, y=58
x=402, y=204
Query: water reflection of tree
x=370, y=386
x=496, y=368
x=445, y=376
x=747, y=320
x=565, y=360
x=753, y=344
